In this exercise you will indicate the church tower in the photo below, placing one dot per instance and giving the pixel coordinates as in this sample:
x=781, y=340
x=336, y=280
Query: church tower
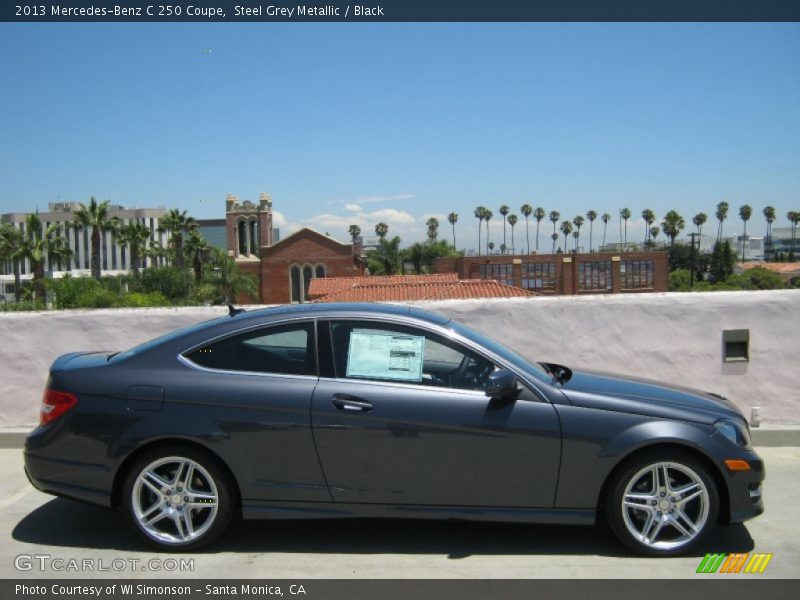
x=248, y=226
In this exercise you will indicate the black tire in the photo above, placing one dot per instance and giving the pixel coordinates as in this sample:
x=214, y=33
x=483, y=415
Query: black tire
x=210, y=478
x=664, y=516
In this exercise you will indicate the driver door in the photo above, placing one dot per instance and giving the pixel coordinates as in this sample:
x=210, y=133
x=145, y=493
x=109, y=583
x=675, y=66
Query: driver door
x=427, y=436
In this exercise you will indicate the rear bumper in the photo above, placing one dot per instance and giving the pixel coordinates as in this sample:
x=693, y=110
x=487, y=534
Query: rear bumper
x=50, y=473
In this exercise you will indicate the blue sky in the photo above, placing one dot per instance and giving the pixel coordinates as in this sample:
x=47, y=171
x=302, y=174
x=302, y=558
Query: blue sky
x=346, y=123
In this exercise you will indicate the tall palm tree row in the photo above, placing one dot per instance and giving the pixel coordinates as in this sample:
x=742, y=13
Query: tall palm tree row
x=11, y=250
x=512, y=220
x=721, y=214
x=97, y=216
x=176, y=223
x=566, y=229
x=40, y=244
x=672, y=225
x=745, y=212
x=452, y=218
x=649, y=217
x=794, y=219
x=591, y=216
x=503, y=211
x=527, y=211
x=625, y=214
x=539, y=214
x=134, y=236
x=578, y=222
x=769, y=216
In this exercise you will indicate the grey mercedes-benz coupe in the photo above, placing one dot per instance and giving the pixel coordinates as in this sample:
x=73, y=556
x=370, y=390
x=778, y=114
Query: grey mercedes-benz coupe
x=361, y=410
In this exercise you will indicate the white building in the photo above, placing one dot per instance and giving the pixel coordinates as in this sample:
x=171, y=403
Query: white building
x=115, y=259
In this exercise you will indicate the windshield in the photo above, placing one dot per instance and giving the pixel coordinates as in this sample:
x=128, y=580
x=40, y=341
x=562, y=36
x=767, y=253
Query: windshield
x=503, y=352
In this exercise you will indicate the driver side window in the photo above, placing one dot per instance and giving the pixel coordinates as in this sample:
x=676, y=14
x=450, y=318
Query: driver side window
x=387, y=352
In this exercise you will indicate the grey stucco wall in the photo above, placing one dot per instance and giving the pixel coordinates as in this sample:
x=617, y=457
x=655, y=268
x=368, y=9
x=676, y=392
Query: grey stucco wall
x=672, y=337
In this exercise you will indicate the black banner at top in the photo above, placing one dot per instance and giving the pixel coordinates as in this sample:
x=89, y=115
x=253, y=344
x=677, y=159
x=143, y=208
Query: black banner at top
x=385, y=11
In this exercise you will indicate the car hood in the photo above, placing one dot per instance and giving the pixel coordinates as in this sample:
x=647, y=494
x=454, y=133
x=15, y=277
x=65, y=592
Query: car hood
x=646, y=396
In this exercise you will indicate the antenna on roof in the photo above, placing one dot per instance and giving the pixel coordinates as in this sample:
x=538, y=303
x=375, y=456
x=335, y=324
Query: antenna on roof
x=233, y=311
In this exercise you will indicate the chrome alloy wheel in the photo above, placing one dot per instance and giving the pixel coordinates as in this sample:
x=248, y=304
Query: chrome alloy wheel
x=174, y=500
x=665, y=505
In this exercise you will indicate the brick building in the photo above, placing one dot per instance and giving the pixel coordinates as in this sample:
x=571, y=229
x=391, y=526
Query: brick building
x=565, y=274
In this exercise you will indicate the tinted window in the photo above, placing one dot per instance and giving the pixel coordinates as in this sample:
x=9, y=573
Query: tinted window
x=286, y=349
x=364, y=350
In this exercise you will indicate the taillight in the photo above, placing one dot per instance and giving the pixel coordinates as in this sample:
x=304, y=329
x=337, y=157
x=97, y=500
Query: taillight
x=55, y=404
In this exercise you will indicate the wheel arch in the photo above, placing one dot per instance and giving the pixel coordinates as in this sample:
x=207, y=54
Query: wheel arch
x=130, y=459
x=704, y=459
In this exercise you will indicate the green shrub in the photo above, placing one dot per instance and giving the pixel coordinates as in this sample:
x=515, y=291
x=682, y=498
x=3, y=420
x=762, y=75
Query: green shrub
x=139, y=300
x=174, y=283
x=762, y=279
x=679, y=280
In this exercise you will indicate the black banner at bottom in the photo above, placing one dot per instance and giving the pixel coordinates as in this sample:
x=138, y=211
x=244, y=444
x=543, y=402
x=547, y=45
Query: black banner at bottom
x=733, y=588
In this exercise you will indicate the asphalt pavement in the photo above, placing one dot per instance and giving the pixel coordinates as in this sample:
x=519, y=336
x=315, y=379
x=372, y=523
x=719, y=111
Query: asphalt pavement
x=46, y=537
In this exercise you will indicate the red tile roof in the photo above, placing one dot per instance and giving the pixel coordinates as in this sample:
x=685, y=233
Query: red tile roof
x=424, y=290
x=330, y=285
x=780, y=268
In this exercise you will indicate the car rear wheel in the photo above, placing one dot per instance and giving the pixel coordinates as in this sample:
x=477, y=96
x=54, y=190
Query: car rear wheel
x=178, y=498
x=664, y=503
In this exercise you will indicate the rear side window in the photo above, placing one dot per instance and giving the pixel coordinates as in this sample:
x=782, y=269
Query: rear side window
x=284, y=349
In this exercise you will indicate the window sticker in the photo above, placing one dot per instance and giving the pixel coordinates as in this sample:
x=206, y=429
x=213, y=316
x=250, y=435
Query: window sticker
x=385, y=356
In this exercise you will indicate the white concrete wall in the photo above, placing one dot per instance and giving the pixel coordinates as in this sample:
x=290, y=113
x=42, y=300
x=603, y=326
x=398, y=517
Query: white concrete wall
x=672, y=337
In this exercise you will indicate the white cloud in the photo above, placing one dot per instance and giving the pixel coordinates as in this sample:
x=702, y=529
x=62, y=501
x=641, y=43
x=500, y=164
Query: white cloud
x=352, y=207
x=391, y=215
x=385, y=198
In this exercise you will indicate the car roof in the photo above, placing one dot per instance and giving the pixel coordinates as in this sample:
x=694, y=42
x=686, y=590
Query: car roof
x=343, y=309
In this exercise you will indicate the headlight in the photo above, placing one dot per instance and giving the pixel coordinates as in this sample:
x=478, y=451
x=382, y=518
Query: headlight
x=735, y=432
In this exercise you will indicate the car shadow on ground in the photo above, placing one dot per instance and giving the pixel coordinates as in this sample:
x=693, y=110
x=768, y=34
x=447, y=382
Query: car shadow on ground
x=64, y=523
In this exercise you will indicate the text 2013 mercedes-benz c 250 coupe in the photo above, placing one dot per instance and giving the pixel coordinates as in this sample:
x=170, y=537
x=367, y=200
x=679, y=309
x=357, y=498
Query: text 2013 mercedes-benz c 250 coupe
x=359, y=410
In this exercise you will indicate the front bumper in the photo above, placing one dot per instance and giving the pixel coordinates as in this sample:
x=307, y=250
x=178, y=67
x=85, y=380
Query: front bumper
x=745, y=489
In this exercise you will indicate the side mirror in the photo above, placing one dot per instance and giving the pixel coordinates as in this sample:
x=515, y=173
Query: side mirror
x=502, y=384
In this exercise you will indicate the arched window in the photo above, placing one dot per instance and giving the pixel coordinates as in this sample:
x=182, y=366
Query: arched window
x=254, y=237
x=308, y=274
x=320, y=271
x=295, y=284
x=242, y=231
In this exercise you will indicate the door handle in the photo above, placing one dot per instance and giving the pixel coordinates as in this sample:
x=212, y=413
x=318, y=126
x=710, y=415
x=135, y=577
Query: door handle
x=351, y=403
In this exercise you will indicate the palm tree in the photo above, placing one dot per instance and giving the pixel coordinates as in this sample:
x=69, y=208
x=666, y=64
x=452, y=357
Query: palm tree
x=198, y=249
x=538, y=214
x=40, y=244
x=176, y=223
x=721, y=214
x=453, y=219
x=490, y=247
x=512, y=220
x=649, y=217
x=745, y=212
x=578, y=222
x=554, y=237
x=381, y=229
x=591, y=216
x=479, y=210
x=769, y=216
x=566, y=229
x=487, y=216
x=433, y=228
x=354, y=231
x=134, y=236
x=11, y=250
x=794, y=219
x=605, y=219
x=699, y=220
x=672, y=225
x=96, y=216
x=228, y=279
x=576, y=235
x=625, y=214
x=504, y=211
x=527, y=211
x=654, y=231
x=554, y=217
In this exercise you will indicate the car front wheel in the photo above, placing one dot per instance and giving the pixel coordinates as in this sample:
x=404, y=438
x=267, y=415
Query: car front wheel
x=663, y=504
x=178, y=498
